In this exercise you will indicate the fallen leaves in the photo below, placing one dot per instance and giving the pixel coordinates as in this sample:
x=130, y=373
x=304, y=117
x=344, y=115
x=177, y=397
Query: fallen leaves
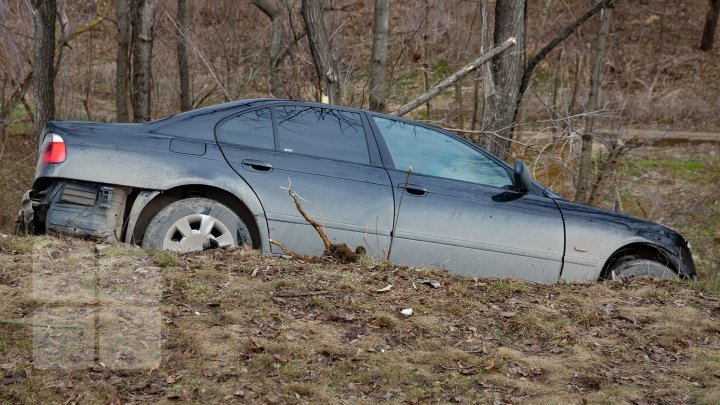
x=269, y=325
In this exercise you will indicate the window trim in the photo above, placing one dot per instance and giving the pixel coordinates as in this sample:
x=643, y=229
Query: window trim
x=235, y=114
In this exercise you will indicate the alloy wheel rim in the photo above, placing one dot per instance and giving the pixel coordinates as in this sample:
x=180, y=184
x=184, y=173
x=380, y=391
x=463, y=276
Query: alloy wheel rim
x=197, y=232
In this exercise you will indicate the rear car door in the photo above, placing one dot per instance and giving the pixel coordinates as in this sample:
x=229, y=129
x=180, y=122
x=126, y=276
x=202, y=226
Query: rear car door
x=460, y=211
x=331, y=162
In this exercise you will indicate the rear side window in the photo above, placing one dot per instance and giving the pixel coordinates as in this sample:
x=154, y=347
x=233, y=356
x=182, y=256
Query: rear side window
x=322, y=132
x=253, y=129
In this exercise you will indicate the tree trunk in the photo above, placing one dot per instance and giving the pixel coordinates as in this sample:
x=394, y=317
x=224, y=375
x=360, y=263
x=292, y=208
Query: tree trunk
x=510, y=21
x=183, y=71
x=142, y=43
x=378, y=74
x=583, y=183
x=276, y=46
x=426, y=54
x=488, y=110
x=320, y=49
x=122, y=61
x=459, y=114
x=43, y=15
x=711, y=20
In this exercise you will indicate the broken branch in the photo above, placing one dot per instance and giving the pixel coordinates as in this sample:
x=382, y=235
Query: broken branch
x=318, y=229
x=448, y=81
x=290, y=252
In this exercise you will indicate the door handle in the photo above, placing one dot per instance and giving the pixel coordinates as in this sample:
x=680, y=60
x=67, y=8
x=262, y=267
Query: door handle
x=257, y=165
x=413, y=189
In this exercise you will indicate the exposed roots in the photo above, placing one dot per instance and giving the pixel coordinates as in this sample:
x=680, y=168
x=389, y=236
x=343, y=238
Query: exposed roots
x=340, y=252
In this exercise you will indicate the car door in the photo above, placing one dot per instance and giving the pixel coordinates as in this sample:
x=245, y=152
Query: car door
x=330, y=161
x=460, y=212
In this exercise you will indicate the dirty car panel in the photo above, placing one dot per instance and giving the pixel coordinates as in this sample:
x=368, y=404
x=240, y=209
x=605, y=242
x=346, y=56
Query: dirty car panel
x=460, y=208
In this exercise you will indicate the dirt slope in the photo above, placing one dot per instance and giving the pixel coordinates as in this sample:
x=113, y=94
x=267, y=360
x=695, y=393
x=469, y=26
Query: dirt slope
x=93, y=323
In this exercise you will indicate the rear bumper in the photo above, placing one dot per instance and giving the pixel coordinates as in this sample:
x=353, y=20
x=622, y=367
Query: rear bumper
x=76, y=208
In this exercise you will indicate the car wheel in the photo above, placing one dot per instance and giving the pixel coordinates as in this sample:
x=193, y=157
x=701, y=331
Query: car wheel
x=195, y=224
x=643, y=268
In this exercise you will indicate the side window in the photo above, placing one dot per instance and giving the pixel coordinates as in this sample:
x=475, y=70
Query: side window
x=436, y=154
x=322, y=132
x=252, y=129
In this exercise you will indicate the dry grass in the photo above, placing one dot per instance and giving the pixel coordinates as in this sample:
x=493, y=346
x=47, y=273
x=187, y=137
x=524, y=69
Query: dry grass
x=229, y=336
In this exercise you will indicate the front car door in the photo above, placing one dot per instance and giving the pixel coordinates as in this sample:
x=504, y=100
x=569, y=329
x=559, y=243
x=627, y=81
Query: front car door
x=330, y=160
x=460, y=212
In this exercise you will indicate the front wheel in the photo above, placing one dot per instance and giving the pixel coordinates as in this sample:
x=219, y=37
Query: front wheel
x=644, y=268
x=195, y=224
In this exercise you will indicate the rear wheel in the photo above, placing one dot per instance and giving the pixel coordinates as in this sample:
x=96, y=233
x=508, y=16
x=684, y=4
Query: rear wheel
x=643, y=268
x=195, y=224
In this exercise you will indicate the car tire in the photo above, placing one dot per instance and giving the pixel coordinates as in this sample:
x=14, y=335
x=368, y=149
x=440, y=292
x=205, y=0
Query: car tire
x=195, y=224
x=643, y=268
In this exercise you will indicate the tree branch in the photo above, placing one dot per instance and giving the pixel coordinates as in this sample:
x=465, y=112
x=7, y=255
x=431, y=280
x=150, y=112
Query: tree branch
x=448, y=81
x=318, y=229
x=266, y=8
x=564, y=34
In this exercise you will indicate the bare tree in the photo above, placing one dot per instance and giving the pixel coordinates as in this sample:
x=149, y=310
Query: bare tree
x=122, y=60
x=583, y=183
x=43, y=14
x=711, y=20
x=426, y=54
x=510, y=21
x=276, y=47
x=183, y=70
x=142, y=43
x=487, y=74
x=564, y=34
x=320, y=49
x=378, y=74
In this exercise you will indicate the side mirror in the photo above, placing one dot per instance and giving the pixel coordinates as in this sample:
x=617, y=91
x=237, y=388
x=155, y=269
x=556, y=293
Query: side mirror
x=523, y=179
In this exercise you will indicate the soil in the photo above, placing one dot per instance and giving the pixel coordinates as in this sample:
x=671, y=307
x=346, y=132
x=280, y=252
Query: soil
x=232, y=326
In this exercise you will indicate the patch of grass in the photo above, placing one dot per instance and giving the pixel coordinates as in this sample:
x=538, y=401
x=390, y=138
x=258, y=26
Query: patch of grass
x=163, y=258
x=697, y=169
x=386, y=320
x=196, y=291
x=506, y=287
x=427, y=323
x=457, y=309
x=707, y=285
x=23, y=244
x=287, y=284
x=320, y=302
x=123, y=251
x=15, y=339
x=531, y=326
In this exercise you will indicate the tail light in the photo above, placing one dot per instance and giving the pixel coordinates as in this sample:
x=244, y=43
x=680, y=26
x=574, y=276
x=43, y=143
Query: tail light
x=53, y=150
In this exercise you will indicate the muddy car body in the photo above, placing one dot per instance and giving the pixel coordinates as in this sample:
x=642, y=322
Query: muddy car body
x=219, y=175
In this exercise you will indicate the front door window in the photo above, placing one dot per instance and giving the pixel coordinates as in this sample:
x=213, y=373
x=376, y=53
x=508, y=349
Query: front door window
x=436, y=154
